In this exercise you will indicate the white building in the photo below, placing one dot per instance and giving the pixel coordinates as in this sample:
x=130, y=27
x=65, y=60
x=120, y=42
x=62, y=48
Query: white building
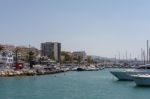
x=6, y=58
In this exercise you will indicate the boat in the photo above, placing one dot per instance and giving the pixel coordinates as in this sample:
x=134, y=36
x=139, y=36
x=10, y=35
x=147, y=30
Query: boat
x=80, y=69
x=122, y=75
x=142, y=79
x=91, y=68
x=126, y=75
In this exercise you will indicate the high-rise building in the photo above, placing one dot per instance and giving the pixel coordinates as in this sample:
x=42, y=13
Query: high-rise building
x=51, y=49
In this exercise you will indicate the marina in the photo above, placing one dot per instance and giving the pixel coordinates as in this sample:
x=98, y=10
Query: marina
x=46, y=70
x=74, y=49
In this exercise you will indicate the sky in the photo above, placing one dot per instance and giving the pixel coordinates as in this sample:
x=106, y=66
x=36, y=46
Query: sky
x=99, y=27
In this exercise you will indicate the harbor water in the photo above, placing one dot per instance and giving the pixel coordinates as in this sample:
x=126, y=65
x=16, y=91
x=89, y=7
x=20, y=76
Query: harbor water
x=71, y=85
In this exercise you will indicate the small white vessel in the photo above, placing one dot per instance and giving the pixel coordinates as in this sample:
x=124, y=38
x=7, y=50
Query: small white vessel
x=142, y=79
x=91, y=68
x=126, y=74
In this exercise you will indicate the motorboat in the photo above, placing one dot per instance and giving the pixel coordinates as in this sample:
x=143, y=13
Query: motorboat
x=122, y=75
x=80, y=69
x=91, y=68
x=142, y=79
x=126, y=75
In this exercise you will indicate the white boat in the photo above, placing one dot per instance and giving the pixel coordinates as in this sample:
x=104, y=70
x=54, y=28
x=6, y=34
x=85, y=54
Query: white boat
x=122, y=75
x=126, y=74
x=141, y=80
x=91, y=68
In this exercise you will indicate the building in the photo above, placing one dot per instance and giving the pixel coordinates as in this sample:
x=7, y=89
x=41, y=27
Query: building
x=7, y=47
x=79, y=55
x=23, y=52
x=52, y=50
x=6, y=58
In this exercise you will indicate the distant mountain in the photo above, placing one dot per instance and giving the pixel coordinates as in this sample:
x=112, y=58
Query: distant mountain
x=100, y=57
x=97, y=57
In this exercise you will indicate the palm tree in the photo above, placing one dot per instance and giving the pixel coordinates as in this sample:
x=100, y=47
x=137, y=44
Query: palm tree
x=16, y=56
x=31, y=58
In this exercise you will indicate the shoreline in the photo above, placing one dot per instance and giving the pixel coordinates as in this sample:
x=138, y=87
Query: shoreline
x=38, y=72
x=15, y=73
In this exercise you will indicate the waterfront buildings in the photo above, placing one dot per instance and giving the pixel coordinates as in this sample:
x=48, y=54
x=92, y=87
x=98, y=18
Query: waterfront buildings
x=52, y=50
x=79, y=56
x=8, y=47
x=23, y=52
x=6, y=58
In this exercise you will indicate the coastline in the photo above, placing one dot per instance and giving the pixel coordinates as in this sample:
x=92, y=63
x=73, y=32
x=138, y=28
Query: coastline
x=12, y=73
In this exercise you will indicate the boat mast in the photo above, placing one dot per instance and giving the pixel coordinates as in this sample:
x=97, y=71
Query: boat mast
x=149, y=55
x=126, y=56
x=119, y=56
x=130, y=56
x=147, y=52
x=144, y=56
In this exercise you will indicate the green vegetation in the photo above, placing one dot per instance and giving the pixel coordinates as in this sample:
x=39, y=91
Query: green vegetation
x=67, y=57
x=89, y=60
x=1, y=47
x=31, y=58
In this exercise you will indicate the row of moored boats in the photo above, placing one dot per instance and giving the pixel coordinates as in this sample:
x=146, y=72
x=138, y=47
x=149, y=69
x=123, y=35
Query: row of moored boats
x=140, y=75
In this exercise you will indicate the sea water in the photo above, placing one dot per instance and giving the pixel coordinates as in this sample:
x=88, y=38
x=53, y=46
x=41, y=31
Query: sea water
x=71, y=85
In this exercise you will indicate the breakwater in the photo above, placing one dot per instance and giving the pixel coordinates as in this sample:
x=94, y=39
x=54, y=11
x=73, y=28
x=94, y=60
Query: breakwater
x=9, y=73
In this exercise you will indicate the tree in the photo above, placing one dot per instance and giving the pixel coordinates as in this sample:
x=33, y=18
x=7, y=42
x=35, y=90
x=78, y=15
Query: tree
x=31, y=58
x=68, y=58
x=1, y=47
x=16, y=56
x=89, y=60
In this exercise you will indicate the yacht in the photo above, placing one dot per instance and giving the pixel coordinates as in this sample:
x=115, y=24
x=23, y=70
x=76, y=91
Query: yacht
x=126, y=74
x=91, y=68
x=122, y=75
x=142, y=79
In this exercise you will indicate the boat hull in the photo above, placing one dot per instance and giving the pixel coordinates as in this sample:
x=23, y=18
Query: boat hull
x=141, y=81
x=122, y=76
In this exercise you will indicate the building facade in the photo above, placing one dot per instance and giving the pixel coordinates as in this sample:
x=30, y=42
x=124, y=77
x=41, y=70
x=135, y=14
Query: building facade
x=23, y=52
x=6, y=58
x=52, y=50
x=79, y=55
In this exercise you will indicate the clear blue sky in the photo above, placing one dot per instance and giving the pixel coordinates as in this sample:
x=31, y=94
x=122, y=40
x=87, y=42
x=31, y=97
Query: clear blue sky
x=100, y=27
